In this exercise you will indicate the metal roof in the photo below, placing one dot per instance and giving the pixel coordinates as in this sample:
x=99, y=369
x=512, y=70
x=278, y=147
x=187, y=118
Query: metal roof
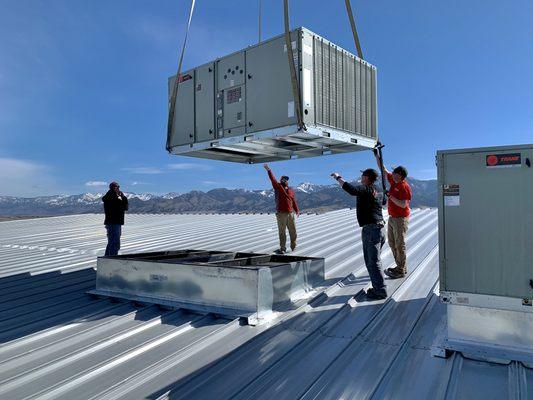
x=58, y=342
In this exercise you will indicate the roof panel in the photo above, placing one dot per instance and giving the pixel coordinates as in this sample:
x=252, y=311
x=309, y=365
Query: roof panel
x=58, y=342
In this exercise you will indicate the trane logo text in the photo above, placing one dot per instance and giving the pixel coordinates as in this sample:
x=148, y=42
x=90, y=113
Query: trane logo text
x=509, y=158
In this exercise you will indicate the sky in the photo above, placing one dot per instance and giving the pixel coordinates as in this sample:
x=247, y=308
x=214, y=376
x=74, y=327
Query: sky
x=83, y=86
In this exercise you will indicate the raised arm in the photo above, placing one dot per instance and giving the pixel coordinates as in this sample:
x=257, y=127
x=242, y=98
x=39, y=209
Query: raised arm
x=354, y=190
x=275, y=183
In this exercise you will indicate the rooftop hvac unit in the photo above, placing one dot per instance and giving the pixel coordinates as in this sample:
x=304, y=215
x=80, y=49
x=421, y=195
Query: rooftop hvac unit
x=486, y=251
x=241, y=107
x=254, y=286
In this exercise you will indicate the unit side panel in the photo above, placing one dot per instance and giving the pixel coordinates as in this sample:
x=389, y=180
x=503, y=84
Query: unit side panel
x=326, y=90
x=231, y=71
x=488, y=226
x=270, y=101
x=205, y=102
x=308, y=78
x=364, y=104
x=183, y=126
x=234, y=110
x=333, y=85
x=319, y=79
x=374, y=105
x=368, y=102
x=339, y=123
x=357, y=96
x=441, y=178
x=349, y=93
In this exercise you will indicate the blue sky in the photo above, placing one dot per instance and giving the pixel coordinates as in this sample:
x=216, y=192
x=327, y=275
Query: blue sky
x=83, y=92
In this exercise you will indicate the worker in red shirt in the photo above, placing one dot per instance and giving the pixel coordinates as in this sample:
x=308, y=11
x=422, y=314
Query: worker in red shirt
x=399, y=211
x=286, y=207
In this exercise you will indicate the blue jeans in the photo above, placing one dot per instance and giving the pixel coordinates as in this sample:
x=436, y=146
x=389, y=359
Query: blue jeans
x=373, y=240
x=113, y=239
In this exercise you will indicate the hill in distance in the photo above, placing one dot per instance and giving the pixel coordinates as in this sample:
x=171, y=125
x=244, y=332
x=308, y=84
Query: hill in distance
x=311, y=198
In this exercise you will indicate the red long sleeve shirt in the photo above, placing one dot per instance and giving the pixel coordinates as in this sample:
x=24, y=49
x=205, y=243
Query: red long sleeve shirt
x=285, y=197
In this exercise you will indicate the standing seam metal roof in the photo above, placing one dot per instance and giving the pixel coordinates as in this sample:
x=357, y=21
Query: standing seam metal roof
x=58, y=342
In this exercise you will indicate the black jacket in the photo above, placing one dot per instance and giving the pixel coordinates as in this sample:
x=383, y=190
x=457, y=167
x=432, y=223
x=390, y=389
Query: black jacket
x=368, y=206
x=114, y=207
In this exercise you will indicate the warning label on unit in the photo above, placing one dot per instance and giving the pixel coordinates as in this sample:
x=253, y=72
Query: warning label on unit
x=503, y=160
x=452, y=197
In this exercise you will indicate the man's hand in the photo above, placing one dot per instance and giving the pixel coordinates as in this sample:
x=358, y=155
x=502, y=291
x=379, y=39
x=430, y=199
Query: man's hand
x=375, y=151
x=265, y=166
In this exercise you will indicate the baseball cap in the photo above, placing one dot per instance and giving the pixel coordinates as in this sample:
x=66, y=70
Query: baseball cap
x=371, y=173
x=402, y=171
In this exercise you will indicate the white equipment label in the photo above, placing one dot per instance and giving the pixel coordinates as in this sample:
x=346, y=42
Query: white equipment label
x=452, y=197
x=290, y=109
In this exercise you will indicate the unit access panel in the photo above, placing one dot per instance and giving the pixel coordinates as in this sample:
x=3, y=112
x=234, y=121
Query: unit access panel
x=485, y=221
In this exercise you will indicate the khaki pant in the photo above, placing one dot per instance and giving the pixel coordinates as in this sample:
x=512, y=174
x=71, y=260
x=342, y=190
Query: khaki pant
x=286, y=221
x=396, y=233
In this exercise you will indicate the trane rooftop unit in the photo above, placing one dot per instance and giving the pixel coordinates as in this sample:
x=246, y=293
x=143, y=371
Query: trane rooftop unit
x=486, y=251
x=241, y=107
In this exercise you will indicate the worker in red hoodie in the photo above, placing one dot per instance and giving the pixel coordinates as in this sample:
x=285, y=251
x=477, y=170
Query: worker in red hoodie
x=286, y=208
x=399, y=210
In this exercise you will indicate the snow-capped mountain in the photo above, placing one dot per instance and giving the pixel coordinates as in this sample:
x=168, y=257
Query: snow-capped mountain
x=170, y=195
x=311, y=198
x=307, y=187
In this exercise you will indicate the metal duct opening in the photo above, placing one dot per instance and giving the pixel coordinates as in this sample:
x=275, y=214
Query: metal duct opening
x=250, y=285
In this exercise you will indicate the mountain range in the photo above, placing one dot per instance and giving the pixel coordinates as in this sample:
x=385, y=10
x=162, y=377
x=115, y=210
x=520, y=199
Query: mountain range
x=311, y=198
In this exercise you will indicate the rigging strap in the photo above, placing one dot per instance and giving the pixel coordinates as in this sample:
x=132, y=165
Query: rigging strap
x=354, y=30
x=292, y=68
x=174, y=93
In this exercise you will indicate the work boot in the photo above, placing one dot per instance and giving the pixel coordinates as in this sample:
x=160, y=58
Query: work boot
x=280, y=251
x=293, y=247
x=372, y=294
x=394, y=273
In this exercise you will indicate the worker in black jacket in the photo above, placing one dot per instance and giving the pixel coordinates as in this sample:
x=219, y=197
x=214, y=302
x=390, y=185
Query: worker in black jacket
x=370, y=218
x=115, y=204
